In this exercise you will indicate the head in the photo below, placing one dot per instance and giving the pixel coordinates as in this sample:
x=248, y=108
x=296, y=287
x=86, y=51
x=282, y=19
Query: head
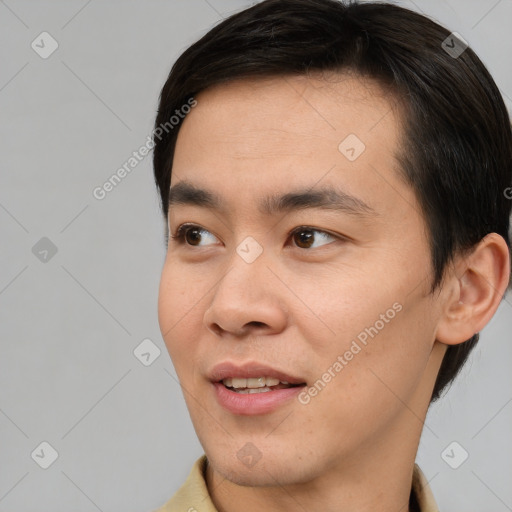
x=314, y=96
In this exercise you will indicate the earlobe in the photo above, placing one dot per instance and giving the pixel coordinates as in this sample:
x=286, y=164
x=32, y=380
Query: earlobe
x=477, y=292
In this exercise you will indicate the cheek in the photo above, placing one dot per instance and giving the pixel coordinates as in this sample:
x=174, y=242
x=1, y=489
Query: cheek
x=179, y=304
x=383, y=335
x=343, y=310
x=392, y=358
x=369, y=391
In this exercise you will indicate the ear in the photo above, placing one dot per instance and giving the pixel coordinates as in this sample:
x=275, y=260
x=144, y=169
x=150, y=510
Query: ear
x=477, y=286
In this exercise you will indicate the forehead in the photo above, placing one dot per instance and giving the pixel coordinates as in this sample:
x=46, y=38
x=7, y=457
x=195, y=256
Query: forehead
x=278, y=114
x=256, y=136
x=328, y=100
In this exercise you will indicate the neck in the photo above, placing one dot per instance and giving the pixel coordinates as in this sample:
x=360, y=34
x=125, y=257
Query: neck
x=377, y=477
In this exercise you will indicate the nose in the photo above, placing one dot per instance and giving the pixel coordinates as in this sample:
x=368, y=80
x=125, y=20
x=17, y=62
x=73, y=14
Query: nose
x=247, y=300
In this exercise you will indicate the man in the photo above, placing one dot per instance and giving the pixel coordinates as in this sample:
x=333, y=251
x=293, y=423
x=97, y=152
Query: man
x=339, y=236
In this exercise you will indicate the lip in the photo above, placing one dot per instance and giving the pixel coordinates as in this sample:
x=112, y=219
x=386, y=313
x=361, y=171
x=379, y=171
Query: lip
x=253, y=403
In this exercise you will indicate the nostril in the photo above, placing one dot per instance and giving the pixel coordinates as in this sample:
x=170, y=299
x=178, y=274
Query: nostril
x=256, y=324
x=217, y=329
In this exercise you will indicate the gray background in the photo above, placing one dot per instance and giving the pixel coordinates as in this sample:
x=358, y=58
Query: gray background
x=69, y=325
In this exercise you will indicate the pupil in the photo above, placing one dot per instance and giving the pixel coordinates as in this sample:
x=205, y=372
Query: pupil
x=196, y=237
x=305, y=237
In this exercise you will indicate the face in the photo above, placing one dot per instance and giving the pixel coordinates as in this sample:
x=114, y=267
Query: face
x=326, y=293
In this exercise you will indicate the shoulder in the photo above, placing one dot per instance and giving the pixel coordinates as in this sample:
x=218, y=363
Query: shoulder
x=193, y=495
x=422, y=492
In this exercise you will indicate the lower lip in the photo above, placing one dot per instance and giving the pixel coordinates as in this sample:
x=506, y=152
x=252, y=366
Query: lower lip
x=254, y=403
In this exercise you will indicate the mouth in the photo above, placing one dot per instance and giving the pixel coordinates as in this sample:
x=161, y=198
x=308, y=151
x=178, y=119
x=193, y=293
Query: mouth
x=254, y=385
x=253, y=388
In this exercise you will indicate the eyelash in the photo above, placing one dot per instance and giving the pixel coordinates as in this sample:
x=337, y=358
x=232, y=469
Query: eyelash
x=179, y=236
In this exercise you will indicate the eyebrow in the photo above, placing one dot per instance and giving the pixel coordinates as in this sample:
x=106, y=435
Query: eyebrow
x=185, y=193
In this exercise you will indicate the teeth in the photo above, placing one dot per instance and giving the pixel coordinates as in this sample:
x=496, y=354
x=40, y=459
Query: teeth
x=258, y=382
x=252, y=383
x=251, y=391
x=239, y=383
x=259, y=390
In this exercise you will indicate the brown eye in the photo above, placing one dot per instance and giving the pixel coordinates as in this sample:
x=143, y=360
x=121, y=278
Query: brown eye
x=190, y=234
x=305, y=238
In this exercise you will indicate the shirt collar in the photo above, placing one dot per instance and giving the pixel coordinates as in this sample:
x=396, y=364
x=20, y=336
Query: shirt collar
x=193, y=495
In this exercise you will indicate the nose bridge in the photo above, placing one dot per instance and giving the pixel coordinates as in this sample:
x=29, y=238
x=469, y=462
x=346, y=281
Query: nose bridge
x=247, y=267
x=244, y=297
x=246, y=275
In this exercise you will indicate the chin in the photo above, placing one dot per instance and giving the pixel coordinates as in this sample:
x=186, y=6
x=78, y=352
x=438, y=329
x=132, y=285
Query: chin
x=248, y=478
x=239, y=469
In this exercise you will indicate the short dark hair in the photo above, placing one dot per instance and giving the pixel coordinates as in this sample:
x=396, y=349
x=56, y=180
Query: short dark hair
x=456, y=151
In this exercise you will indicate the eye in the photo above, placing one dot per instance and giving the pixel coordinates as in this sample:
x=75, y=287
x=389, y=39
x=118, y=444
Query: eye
x=306, y=240
x=189, y=233
x=192, y=235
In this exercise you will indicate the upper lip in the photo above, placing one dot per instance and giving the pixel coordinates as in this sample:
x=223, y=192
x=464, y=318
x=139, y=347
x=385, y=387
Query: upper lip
x=247, y=370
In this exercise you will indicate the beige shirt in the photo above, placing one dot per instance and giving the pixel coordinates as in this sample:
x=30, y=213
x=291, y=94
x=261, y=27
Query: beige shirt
x=193, y=495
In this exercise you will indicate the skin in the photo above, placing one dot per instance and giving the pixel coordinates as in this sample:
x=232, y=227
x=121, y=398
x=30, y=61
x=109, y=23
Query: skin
x=353, y=446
